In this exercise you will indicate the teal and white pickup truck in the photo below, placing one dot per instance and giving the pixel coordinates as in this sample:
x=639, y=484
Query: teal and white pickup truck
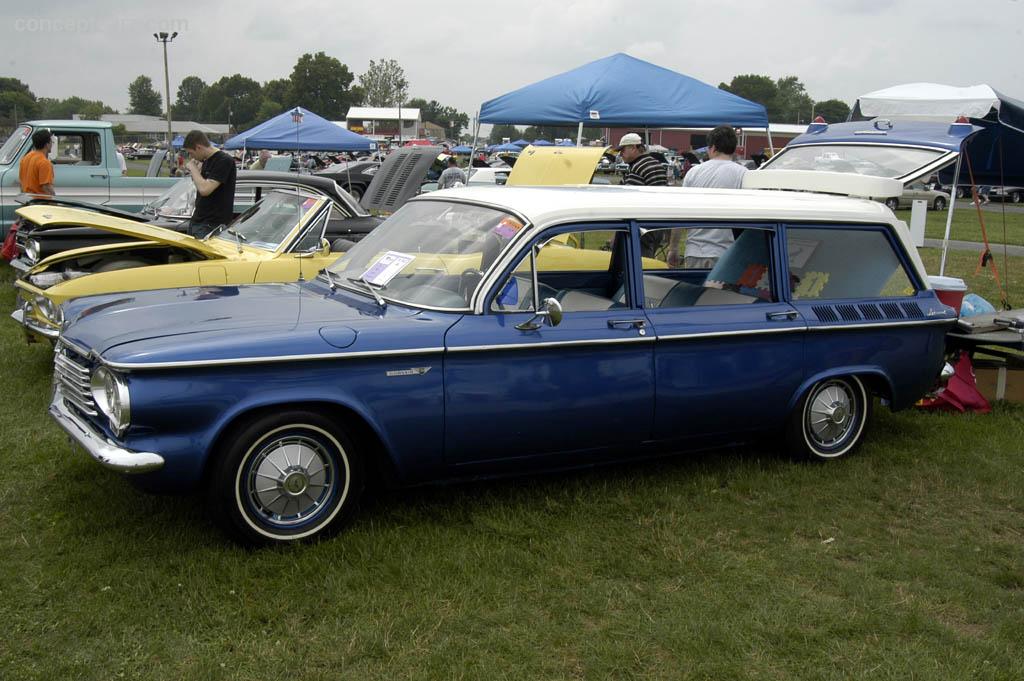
x=85, y=168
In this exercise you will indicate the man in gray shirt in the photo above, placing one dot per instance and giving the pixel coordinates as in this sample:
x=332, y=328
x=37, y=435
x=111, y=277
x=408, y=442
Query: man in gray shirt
x=452, y=175
x=705, y=246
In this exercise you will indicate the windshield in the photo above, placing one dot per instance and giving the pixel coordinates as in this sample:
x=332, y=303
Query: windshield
x=874, y=160
x=178, y=201
x=268, y=223
x=429, y=253
x=13, y=144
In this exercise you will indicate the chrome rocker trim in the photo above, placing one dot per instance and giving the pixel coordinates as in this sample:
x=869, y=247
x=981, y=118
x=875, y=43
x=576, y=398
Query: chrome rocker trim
x=31, y=326
x=106, y=453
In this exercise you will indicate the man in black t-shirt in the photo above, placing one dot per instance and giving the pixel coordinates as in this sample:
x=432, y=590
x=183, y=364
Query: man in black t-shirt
x=213, y=173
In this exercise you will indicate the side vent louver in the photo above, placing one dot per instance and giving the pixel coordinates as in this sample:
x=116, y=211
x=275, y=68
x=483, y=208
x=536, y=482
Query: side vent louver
x=825, y=313
x=912, y=310
x=891, y=311
x=848, y=313
x=870, y=311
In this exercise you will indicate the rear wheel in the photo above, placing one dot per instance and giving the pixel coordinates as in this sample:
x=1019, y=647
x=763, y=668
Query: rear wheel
x=892, y=203
x=940, y=203
x=1014, y=197
x=829, y=421
x=285, y=477
x=961, y=192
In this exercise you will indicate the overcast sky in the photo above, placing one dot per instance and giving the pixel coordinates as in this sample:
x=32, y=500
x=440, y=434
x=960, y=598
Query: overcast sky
x=465, y=53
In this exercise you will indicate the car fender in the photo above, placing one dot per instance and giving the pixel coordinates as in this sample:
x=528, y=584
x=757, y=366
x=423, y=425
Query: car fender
x=283, y=398
x=873, y=371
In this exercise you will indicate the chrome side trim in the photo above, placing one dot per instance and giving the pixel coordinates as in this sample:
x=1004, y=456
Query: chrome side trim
x=105, y=452
x=552, y=344
x=740, y=332
x=275, y=359
x=884, y=325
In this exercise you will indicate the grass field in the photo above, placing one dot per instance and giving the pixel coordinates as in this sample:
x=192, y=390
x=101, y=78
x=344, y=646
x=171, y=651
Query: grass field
x=905, y=561
x=1002, y=227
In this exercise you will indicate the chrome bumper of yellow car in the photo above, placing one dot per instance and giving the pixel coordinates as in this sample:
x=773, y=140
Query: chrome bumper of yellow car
x=99, y=447
x=33, y=327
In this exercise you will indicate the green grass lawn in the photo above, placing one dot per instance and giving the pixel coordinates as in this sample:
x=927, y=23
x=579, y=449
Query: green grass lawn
x=905, y=561
x=966, y=227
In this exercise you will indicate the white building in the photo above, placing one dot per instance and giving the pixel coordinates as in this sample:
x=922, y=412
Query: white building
x=380, y=123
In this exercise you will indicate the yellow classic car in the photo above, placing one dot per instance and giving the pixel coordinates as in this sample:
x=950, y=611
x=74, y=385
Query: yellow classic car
x=279, y=239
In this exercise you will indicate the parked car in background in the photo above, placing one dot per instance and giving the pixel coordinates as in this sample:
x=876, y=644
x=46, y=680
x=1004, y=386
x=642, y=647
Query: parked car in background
x=352, y=176
x=85, y=168
x=459, y=341
x=1010, y=194
x=919, y=191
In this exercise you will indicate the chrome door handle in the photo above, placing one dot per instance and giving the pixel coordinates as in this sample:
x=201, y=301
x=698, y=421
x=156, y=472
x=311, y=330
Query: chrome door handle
x=789, y=315
x=101, y=175
x=635, y=323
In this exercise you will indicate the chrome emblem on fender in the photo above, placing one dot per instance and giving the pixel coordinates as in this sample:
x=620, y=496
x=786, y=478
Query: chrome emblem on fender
x=415, y=371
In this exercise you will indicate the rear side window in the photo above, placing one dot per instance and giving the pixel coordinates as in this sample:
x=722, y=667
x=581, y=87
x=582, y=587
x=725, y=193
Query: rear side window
x=76, y=148
x=844, y=263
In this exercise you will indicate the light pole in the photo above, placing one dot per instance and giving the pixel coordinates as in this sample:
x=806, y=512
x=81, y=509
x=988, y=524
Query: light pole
x=164, y=37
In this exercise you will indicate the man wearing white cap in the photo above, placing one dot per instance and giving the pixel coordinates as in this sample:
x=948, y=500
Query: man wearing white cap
x=644, y=168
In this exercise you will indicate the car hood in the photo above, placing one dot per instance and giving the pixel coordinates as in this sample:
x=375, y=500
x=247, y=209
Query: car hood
x=555, y=166
x=399, y=178
x=47, y=216
x=831, y=142
x=231, y=323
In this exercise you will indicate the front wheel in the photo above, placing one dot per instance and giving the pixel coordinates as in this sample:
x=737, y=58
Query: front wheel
x=892, y=204
x=285, y=477
x=940, y=203
x=830, y=419
x=1014, y=197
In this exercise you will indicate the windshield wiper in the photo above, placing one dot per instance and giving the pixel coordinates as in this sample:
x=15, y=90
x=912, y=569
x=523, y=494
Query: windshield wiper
x=369, y=287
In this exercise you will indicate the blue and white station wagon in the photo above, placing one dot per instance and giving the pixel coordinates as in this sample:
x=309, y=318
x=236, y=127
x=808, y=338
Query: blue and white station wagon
x=493, y=331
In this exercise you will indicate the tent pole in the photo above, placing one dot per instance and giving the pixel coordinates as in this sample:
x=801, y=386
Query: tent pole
x=647, y=136
x=579, y=135
x=949, y=214
x=476, y=134
x=770, y=145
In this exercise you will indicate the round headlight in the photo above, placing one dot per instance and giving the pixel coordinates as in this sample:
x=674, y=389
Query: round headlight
x=110, y=393
x=50, y=310
x=32, y=250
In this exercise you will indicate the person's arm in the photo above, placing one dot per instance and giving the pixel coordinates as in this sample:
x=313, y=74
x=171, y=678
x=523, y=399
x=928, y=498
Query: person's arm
x=673, y=248
x=46, y=179
x=206, y=185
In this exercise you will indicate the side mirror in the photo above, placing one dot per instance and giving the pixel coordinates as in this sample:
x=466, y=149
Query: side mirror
x=550, y=313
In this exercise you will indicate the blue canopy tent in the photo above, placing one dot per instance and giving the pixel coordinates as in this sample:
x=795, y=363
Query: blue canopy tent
x=504, y=147
x=621, y=90
x=462, y=149
x=521, y=143
x=313, y=133
x=178, y=141
x=542, y=143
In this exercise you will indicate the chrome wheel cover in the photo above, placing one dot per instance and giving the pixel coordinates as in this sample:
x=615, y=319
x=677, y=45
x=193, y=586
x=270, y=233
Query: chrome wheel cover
x=290, y=480
x=832, y=415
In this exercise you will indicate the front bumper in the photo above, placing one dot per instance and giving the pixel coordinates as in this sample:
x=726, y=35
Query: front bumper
x=34, y=327
x=99, y=447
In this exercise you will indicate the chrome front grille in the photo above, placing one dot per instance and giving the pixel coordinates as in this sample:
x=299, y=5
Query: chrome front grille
x=71, y=373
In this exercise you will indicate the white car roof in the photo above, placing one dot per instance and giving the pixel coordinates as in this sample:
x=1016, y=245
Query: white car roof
x=547, y=206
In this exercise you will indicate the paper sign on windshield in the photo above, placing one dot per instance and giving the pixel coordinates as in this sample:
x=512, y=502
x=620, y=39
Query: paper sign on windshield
x=387, y=267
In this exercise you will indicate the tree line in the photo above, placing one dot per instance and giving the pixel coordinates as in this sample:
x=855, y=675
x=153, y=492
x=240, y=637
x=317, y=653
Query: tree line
x=318, y=82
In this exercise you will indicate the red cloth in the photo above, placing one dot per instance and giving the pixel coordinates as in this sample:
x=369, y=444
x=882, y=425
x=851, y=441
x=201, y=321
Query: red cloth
x=10, y=250
x=961, y=393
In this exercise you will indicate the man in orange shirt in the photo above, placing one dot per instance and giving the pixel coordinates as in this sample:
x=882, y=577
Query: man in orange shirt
x=36, y=171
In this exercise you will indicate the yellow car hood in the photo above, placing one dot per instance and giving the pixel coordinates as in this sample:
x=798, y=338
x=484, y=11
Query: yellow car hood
x=62, y=216
x=555, y=166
